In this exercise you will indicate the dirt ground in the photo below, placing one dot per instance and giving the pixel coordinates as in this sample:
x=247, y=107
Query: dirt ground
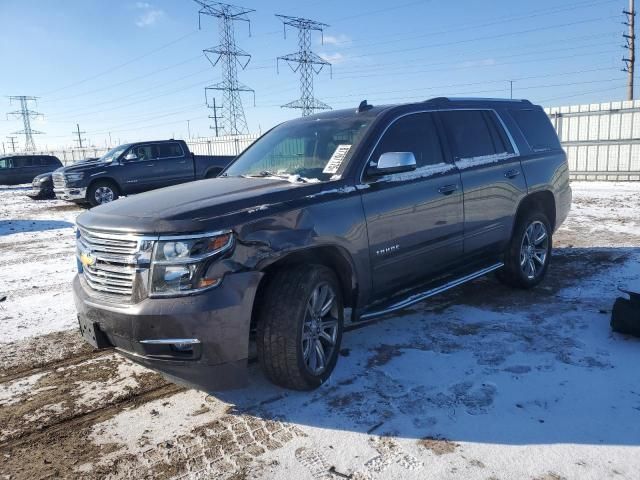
x=480, y=382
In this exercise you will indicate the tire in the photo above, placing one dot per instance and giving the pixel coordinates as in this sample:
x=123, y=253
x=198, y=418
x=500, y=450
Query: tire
x=103, y=191
x=527, y=257
x=289, y=337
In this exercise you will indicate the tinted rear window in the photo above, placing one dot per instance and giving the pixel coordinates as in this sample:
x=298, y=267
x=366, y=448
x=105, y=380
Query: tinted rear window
x=469, y=133
x=166, y=150
x=23, y=162
x=537, y=129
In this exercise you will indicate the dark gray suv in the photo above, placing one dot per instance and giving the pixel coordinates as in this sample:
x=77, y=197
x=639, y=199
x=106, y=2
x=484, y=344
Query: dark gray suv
x=374, y=209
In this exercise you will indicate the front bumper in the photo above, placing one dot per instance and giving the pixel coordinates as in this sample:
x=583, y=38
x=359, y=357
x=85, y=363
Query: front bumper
x=71, y=193
x=216, y=323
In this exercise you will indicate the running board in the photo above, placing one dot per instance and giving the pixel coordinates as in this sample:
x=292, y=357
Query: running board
x=407, y=302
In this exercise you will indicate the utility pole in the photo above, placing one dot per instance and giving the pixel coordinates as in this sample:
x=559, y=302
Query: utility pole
x=511, y=88
x=79, y=134
x=188, y=129
x=230, y=57
x=304, y=61
x=26, y=115
x=12, y=141
x=630, y=38
x=215, y=116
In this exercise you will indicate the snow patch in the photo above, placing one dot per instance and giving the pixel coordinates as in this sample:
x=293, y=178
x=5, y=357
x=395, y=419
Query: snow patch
x=464, y=163
x=341, y=190
x=421, y=172
x=13, y=392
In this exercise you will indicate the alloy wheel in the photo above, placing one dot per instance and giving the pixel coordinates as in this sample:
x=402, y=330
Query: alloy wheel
x=534, y=249
x=320, y=329
x=103, y=195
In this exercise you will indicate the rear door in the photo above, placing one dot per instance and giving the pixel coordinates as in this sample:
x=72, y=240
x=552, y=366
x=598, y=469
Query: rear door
x=26, y=168
x=6, y=175
x=414, y=219
x=140, y=174
x=492, y=178
x=174, y=164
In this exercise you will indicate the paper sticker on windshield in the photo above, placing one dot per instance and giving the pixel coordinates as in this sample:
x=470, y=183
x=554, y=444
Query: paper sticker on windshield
x=336, y=159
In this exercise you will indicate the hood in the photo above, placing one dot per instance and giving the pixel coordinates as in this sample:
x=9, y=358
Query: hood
x=191, y=207
x=83, y=165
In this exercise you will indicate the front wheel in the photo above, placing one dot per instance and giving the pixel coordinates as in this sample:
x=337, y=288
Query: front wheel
x=102, y=192
x=300, y=327
x=529, y=252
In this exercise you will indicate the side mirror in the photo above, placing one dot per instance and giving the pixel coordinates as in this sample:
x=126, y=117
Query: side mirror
x=130, y=157
x=394, y=162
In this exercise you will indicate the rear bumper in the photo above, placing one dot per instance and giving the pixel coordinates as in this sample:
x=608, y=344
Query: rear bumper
x=71, y=194
x=201, y=340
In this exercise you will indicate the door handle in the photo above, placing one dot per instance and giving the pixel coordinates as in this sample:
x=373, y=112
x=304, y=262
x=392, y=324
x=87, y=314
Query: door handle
x=448, y=189
x=512, y=173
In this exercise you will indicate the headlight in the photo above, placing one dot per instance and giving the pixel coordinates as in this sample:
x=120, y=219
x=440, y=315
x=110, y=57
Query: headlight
x=42, y=180
x=179, y=266
x=74, y=176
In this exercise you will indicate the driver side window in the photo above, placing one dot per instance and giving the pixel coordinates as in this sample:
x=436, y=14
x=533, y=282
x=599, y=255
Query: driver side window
x=145, y=152
x=416, y=133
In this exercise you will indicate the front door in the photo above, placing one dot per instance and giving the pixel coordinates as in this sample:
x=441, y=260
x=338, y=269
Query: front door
x=142, y=173
x=491, y=175
x=414, y=219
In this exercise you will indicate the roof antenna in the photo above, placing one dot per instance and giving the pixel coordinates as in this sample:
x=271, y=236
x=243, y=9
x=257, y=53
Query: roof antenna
x=363, y=107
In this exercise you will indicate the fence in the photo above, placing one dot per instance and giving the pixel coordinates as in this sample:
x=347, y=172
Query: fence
x=602, y=140
x=228, y=145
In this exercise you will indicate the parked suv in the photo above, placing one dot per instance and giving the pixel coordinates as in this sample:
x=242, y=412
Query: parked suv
x=23, y=168
x=134, y=168
x=374, y=209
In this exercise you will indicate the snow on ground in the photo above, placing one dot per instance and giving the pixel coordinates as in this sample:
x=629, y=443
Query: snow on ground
x=480, y=382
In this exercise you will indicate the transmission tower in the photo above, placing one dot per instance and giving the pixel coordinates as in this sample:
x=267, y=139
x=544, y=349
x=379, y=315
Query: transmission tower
x=79, y=134
x=227, y=53
x=306, y=62
x=12, y=141
x=27, y=115
x=630, y=38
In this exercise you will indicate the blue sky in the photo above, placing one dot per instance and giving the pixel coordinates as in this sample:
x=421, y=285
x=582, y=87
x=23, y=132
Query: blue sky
x=136, y=70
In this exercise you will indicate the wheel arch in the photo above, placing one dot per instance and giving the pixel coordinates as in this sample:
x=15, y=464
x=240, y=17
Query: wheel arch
x=334, y=257
x=111, y=180
x=542, y=200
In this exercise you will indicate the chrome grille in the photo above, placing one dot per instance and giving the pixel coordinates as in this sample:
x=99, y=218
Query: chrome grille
x=58, y=180
x=113, y=270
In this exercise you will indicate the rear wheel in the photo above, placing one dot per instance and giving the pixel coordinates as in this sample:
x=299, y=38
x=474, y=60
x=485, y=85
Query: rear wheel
x=102, y=192
x=529, y=252
x=300, y=327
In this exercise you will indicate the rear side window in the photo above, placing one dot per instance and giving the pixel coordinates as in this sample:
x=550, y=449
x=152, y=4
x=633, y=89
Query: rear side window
x=5, y=163
x=413, y=133
x=475, y=133
x=23, y=162
x=167, y=150
x=537, y=129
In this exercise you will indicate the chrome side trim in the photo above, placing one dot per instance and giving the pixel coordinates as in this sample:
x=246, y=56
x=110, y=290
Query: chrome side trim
x=171, y=341
x=430, y=293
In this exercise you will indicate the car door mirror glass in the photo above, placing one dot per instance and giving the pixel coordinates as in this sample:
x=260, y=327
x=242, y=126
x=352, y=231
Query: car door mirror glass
x=130, y=157
x=394, y=162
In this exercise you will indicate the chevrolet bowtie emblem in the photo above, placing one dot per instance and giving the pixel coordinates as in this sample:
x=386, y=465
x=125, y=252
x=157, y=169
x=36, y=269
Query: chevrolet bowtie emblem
x=87, y=259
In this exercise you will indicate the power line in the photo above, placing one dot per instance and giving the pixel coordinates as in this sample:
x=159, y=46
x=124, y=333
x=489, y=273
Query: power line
x=230, y=56
x=304, y=61
x=26, y=114
x=124, y=64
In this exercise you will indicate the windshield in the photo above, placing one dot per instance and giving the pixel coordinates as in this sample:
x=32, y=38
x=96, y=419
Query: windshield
x=311, y=151
x=113, y=154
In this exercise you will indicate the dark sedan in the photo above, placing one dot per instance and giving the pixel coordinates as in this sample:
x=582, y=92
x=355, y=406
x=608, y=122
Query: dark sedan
x=42, y=187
